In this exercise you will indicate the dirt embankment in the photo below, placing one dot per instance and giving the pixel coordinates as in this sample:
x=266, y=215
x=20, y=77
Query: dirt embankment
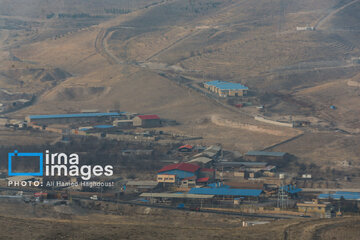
x=353, y=83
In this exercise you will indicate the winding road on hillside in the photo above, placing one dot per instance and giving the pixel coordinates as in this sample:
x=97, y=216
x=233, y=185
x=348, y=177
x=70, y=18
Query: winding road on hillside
x=317, y=228
x=321, y=22
x=105, y=33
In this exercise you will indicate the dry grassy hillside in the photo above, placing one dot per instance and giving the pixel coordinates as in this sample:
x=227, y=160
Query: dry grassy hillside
x=40, y=8
x=119, y=62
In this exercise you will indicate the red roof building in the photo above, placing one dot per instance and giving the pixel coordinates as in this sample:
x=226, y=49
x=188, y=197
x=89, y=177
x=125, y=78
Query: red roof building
x=147, y=117
x=187, y=167
x=206, y=173
x=185, y=148
x=203, y=180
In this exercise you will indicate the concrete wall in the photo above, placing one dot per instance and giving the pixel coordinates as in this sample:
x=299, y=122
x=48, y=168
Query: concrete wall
x=45, y=121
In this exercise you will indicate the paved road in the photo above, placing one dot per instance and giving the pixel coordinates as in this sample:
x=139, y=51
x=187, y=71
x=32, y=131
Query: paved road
x=270, y=216
x=326, y=190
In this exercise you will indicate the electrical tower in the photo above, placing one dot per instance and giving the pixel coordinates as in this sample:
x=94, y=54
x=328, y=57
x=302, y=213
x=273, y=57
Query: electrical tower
x=282, y=201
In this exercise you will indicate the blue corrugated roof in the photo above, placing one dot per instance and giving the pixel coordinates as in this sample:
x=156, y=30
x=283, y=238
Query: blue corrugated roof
x=103, y=126
x=227, y=85
x=338, y=195
x=75, y=115
x=323, y=196
x=291, y=189
x=226, y=192
x=348, y=193
x=85, y=128
x=262, y=153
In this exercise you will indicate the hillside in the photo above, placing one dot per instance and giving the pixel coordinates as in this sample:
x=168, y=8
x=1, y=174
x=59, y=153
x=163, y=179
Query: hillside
x=134, y=59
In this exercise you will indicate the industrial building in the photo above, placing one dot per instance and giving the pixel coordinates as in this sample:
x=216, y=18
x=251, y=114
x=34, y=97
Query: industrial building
x=315, y=208
x=72, y=118
x=176, y=195
x=244, y=169
x=180, y=170
x=137, y=152
x=203, y=161
x=188, y=182
x=185, y=174
x=147, y=121
x=350, y=196
x=141, y=186
x=226, y=191
x=226, y=89
x=212, y=152
x=247, y=185
x=263, y=156
x=123, y=123
x=290, y=189
x=306, y=28
x=166, y=178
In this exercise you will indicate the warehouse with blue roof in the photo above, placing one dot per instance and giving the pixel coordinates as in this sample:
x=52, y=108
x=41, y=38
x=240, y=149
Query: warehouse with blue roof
x=225, y=89
x=225, y=191
x=350, y=196
x=222, y=190
x=291, y=189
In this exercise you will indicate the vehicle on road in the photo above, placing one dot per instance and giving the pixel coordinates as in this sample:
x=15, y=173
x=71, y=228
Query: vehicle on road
x=94, y=197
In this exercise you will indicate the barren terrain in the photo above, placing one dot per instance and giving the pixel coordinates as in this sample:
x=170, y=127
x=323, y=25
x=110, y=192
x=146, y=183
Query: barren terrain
x=125, y=60
x=72, y=222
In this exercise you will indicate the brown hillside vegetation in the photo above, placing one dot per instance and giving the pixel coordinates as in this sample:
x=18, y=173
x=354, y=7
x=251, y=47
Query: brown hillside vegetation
x=256, y=43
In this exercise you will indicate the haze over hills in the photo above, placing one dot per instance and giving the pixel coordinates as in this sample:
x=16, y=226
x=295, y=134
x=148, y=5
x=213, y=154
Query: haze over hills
x=135, y=60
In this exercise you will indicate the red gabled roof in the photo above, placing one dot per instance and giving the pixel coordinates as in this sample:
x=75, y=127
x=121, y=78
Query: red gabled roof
x=204, y=179
x=146, y=117
x=187, y=167
x=207, y=170
x=186, y=146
